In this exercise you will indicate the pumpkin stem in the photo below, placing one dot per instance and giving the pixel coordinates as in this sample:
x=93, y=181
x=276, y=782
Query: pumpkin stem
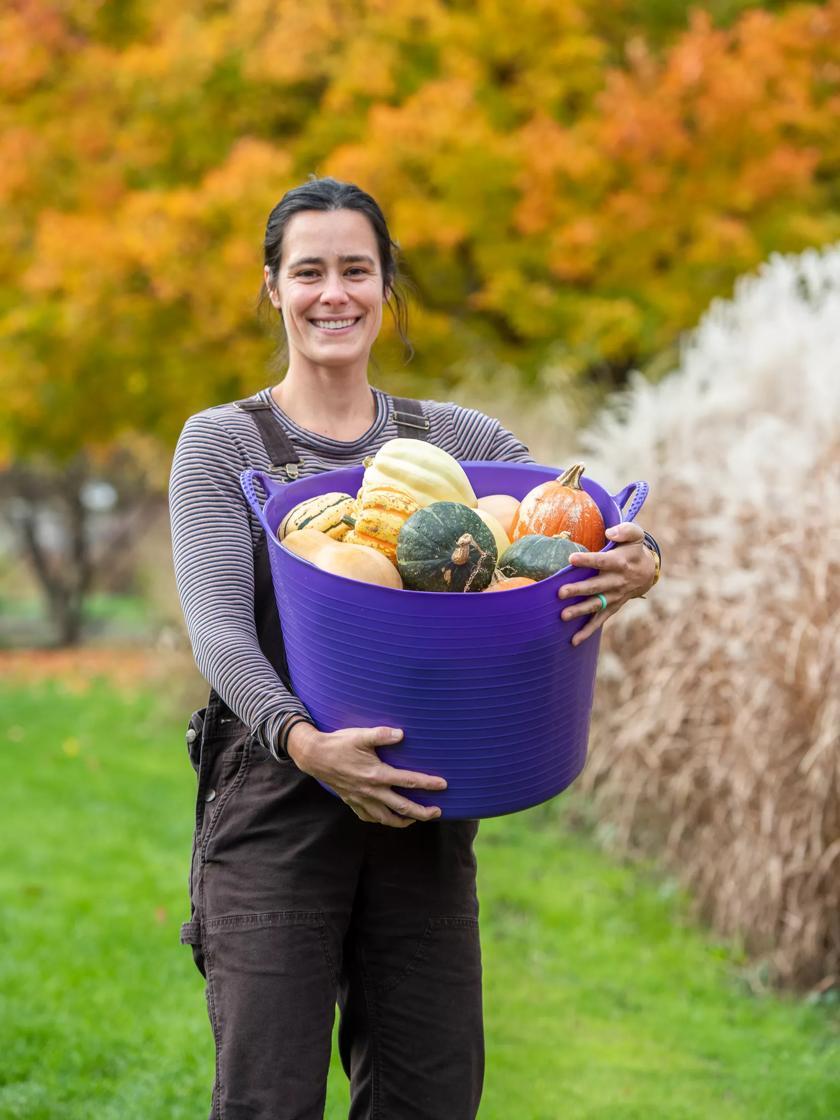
x=351, y=521
x=571, y=477
x=462, y=549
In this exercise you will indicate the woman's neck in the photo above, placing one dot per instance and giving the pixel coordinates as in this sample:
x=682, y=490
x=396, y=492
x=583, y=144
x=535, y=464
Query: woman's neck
x=328, y=403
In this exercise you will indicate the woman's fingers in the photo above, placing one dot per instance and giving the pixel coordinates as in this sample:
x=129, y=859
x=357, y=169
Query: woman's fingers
x=413, y=779
x=592, y=605
x=366, y=784
x=625, y=531
x=597, y=585
x=594, y=624
x=405, y=808
x=379, y=814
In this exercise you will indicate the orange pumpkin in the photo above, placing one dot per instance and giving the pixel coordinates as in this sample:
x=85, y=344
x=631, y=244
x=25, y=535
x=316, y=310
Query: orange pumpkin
x=510, y=584
x=561, y=505
x=503, y=507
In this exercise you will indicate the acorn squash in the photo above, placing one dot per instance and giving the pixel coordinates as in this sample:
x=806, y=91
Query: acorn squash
x=538, y=557
x=446, y=547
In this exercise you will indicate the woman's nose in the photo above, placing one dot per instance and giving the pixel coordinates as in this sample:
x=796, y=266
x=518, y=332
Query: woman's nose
x=334, y=290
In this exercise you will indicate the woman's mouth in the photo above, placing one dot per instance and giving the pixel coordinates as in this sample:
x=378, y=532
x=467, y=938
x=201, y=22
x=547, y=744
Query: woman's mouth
x=334, y=326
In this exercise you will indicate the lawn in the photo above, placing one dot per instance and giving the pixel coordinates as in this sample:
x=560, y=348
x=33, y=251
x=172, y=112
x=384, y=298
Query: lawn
x=603, y=1001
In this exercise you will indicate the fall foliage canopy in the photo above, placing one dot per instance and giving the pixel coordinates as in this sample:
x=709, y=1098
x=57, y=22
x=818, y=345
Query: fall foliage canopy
x=570, y=182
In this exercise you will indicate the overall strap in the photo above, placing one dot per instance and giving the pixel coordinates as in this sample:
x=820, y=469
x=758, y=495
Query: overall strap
x=410, y=419
x=273, y=434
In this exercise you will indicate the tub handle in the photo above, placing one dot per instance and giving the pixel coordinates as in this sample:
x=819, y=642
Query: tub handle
x=642, y=489
x=246, y=481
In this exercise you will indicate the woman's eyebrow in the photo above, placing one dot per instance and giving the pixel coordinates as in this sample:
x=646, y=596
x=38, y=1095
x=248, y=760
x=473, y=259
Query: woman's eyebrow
x=349, y=258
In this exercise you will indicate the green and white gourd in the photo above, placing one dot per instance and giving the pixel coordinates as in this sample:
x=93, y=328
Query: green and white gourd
x=538, y=557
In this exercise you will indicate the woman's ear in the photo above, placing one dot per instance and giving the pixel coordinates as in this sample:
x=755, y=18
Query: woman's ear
x=269, y=287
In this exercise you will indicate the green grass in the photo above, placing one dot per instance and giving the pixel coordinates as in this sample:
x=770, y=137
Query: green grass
x=603, y=1002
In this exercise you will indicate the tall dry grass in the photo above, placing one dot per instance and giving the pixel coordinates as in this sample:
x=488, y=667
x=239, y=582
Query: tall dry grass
x=717, y=723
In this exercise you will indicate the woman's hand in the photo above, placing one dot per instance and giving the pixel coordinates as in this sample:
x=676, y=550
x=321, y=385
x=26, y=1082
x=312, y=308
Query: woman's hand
x=347, y=762
x=623, y=573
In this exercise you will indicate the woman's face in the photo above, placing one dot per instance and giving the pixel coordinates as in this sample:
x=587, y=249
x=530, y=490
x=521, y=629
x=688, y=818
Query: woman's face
x=329, y=288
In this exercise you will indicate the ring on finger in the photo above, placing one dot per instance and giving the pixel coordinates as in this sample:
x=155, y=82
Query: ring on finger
x=602, y=599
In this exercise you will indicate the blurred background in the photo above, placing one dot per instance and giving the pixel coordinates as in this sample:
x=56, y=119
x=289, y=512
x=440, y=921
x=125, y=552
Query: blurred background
x=620, y=232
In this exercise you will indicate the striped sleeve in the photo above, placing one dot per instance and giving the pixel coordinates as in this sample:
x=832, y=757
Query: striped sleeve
x=213, y=553
x=482, y=437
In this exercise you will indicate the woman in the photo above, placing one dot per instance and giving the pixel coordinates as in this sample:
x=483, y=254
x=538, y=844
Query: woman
x=299, y=897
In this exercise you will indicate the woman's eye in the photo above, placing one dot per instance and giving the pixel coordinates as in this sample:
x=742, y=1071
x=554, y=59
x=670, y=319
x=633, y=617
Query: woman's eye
x=357, y=271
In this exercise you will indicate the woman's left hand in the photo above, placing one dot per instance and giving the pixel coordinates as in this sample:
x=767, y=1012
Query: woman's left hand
x=623, y=573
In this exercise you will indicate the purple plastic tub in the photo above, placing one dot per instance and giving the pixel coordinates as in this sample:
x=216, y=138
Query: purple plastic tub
x=488, y=689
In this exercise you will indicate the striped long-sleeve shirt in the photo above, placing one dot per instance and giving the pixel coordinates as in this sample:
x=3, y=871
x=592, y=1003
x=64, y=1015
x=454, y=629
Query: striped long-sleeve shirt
x=215, y=533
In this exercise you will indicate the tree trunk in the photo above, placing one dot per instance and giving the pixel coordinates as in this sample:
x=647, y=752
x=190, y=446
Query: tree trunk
x=65, y=572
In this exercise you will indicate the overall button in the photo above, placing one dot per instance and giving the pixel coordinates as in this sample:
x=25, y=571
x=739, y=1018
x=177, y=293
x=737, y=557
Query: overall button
x=211, y=795
x=192, y=735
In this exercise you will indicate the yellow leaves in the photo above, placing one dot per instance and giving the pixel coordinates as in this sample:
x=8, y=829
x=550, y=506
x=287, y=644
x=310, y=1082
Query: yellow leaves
x=32, y=36
x=541, y=197
x=289, y=41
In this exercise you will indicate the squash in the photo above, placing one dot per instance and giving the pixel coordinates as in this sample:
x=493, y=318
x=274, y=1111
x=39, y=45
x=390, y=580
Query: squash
x=421, y=470
x=377, y=518
x=446, y=547
x=561, y=505
x=509, y=584
x=325, y=512
x=538, y=557
x=503, y=507
x=499, y=535
x=353, y=561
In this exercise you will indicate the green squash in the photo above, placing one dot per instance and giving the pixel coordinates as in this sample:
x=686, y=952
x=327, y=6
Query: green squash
x=538, y=557
x=446, y=546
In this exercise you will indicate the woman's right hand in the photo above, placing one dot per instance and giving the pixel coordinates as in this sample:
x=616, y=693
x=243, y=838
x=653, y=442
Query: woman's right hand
x=347, y=762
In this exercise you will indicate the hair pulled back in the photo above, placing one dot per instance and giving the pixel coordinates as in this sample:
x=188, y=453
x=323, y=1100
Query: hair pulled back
x=331, y=194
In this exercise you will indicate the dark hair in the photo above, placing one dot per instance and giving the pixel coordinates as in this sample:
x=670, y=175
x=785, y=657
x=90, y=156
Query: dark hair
x=330, y=194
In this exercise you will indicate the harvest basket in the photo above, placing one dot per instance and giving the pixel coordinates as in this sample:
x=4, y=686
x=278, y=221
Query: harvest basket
x=488, y=689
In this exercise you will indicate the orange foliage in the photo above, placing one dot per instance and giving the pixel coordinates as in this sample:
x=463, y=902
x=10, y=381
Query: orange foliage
x=556, y=201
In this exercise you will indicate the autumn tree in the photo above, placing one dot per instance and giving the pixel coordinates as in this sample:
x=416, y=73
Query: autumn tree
x=571, y=184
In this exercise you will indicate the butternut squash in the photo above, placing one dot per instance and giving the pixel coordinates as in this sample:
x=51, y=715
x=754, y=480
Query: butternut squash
x=353, y=561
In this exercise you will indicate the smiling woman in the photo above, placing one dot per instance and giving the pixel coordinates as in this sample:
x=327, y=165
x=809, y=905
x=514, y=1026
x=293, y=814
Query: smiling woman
x=331, y=303
x=299, y=897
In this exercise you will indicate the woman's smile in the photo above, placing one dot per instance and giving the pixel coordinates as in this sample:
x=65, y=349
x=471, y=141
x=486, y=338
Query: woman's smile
x=336, y=326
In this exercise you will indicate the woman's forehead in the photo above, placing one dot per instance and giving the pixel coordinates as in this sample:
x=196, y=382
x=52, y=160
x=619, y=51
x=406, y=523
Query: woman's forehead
x=328, y=234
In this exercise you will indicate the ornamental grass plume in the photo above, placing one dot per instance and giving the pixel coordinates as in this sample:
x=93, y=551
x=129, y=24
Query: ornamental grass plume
x=716, y=734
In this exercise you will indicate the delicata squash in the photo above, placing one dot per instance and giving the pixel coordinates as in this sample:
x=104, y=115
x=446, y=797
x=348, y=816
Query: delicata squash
x=325, y=512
